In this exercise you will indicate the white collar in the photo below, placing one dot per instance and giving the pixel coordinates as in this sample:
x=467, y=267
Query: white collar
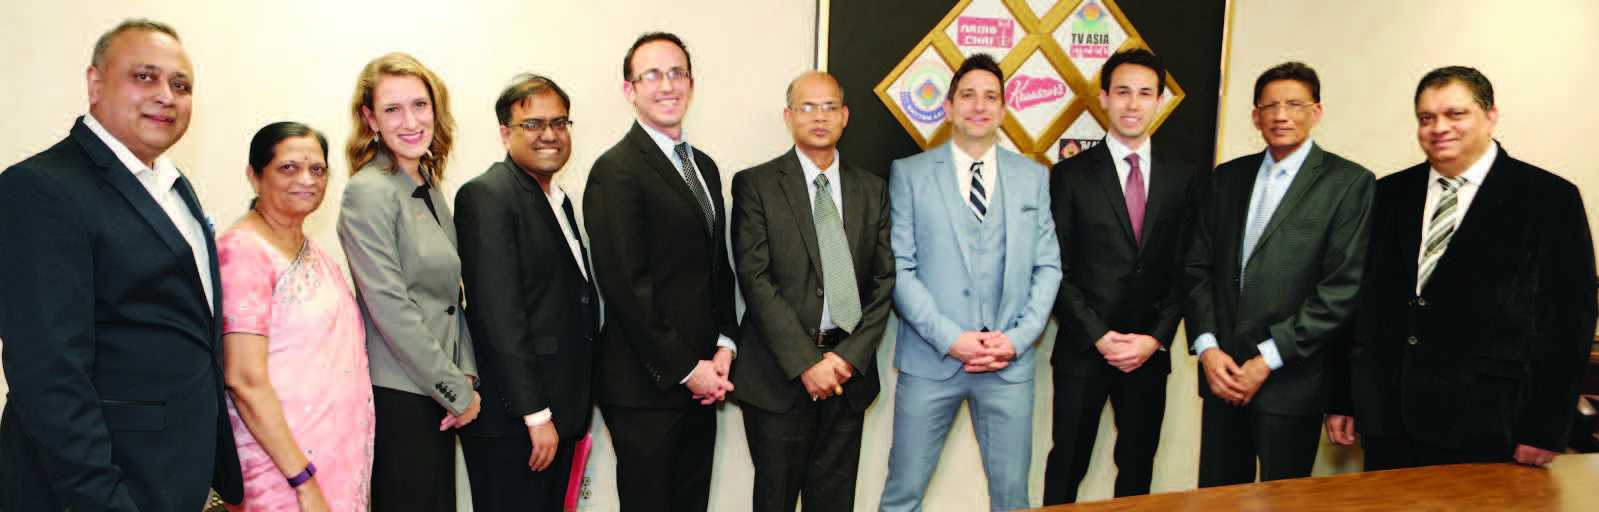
x=165, y=173
x=1474, y=174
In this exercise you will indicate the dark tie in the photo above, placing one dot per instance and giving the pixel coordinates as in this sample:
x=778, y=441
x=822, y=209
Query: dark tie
x=838, y=270
x=695, y=188
x=571, y=223
x=979, y=197
x=1135, y=197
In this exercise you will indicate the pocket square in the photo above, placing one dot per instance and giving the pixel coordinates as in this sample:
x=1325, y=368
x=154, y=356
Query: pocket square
x=1029, y=207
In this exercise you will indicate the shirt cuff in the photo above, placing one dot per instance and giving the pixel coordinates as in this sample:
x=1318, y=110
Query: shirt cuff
x=1268, y=350
x=727, y=343
x=537, y=418
x=1204, y=342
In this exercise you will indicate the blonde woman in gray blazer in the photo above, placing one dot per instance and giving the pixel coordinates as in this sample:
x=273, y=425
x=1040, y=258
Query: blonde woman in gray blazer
x=399, y=237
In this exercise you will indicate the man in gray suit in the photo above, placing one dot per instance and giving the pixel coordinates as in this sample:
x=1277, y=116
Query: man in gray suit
x=1275, y=261
x=810, y=239
x=978, y=267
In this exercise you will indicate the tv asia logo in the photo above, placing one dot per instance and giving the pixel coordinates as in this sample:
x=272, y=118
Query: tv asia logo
x=921, y=93
x=1024, y=92
x=1090, y=35
x=985, y=32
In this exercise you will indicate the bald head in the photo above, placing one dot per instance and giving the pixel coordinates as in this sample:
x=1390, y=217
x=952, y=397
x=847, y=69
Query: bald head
x=816, y=115
x=814, y=78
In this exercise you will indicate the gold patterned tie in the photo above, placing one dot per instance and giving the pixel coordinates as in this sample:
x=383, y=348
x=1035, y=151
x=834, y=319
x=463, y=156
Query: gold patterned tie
x=838, y=269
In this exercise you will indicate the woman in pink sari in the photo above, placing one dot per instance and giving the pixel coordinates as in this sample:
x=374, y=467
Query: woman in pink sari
x=293, y=344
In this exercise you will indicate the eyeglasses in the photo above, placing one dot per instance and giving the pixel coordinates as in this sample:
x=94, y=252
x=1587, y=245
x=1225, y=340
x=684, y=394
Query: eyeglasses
x=537, y=126
x=812, y=108
x=1289, y=106
x=656, y=75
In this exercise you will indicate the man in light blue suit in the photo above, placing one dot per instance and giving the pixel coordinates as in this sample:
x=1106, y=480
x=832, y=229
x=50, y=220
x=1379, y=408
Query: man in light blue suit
x=978, y=267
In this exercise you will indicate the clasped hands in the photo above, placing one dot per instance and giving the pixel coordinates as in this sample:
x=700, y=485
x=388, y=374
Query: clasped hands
x=1126, y=352
x=709, y=380
x=826, y=378
x=1231, y=382
x=983, y=351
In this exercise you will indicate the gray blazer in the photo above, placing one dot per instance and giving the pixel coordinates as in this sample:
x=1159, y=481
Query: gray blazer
x=408, y=282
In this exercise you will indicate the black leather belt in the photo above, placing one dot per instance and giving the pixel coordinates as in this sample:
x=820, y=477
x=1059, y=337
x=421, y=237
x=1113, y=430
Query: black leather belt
x=830, y=338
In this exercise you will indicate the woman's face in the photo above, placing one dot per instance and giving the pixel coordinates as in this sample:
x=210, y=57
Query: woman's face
x=402, y=114
x=292, y=185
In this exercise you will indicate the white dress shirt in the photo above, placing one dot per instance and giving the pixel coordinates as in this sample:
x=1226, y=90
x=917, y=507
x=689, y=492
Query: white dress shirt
x=1468, y=191
x=1118, y=156
x=835, y=186
x=160, y=182
x=963, y=171
x=558, y=197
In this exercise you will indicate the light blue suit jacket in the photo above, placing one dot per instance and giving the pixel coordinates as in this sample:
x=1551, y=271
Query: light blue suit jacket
x=933, y=293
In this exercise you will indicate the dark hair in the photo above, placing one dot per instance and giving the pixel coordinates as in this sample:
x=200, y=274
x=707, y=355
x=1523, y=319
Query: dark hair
x=1296, y=71
x=1481, y=91
x=1135, y=56
x=149, y=25
x=649, y=37
x=264, y=146
x=524, y=86
x=978, y=61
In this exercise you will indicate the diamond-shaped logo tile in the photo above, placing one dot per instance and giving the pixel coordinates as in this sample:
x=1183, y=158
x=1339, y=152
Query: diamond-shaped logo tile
x=1036, y=94
x=1089, y=35
x=1040, y=7
x=916, y=95
x=1085, y=132
x=985, y=26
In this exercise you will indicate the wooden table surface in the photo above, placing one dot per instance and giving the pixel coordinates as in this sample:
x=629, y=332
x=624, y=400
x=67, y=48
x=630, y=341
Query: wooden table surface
x=1570, y=483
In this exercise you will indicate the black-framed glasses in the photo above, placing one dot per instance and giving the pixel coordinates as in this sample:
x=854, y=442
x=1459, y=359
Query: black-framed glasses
x=537, y=126
x=656, y=75
x=813, y=108
x=1288, y=106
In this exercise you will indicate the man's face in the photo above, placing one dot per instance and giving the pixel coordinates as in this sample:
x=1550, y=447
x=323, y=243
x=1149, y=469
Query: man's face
x=820, y=128
x=661, y=102
x=1285, y=114
x=544, y=151
x=142, y=91
x=1453, y=129
x=1132, y=102
x=976, y=106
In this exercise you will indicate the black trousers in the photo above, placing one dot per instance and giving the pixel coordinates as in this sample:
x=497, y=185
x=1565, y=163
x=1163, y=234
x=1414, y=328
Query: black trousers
x=1138, y=402
x=413, y=463
x=663, y=456
x=1406, y=452
x=812, y=450
x=1232, y=439
x=502, y=481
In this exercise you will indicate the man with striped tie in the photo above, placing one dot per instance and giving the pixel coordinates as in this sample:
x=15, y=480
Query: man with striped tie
x=1276, y=260
x=1479, y=303
x=977, y=270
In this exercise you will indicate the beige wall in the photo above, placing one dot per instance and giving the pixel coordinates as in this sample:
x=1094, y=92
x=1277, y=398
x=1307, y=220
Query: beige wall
x=297, y=60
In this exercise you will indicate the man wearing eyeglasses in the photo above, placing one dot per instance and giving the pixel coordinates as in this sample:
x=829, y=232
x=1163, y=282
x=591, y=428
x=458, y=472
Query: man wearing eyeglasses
x=656, y=226
x=810, y=237
x=531, y=306
x=1276, y=259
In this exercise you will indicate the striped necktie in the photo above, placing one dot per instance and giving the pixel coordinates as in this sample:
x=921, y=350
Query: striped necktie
x=979, y=196
x=1440, y=228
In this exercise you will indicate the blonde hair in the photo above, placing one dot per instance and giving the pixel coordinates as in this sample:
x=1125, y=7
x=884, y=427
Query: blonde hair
x=365, y=146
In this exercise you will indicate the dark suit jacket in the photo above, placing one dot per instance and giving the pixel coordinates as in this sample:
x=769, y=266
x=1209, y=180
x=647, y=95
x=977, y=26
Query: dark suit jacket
x=532, y=312
x=113, y=357
x=780, y=273
x=1306, y=270
x=666, y=280
x=1111, y=282
x=1493, y=349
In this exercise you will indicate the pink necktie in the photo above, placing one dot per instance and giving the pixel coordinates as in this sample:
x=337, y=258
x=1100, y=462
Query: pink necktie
x=1135, y=197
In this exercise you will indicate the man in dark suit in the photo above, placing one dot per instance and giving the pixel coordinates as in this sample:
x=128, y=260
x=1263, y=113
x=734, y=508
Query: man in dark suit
x=1276, y=260
x=660, y=257
x=1479, y=301
x=108, y=303
x=1122, y=212
x=531, y=308
x=810, y=236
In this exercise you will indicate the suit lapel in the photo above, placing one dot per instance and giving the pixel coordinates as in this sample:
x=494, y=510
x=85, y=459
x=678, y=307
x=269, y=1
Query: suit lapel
x=1309, y=172
x=791, y=180
x=652, y=155
x=1412, y=205
x=855, y=201
x=540, y=203
x=1491, y=202
x=1115, y=197
x=1233, y=192
x=1164, y=189
x=186, y=190
x=954, y=205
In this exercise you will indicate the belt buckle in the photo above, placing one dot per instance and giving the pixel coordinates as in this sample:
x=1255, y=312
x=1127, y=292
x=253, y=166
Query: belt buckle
x=820, y=336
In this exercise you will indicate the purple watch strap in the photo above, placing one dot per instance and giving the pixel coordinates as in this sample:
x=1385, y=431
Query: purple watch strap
x=304, y=476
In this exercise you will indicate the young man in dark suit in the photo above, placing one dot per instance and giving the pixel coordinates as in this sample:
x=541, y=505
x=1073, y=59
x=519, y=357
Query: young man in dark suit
x=1276, y=260
x=810, y=237
x=656, y=227
x=109, y=303
x=532, y=307
x=1122, y=212
x=1479, y=305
